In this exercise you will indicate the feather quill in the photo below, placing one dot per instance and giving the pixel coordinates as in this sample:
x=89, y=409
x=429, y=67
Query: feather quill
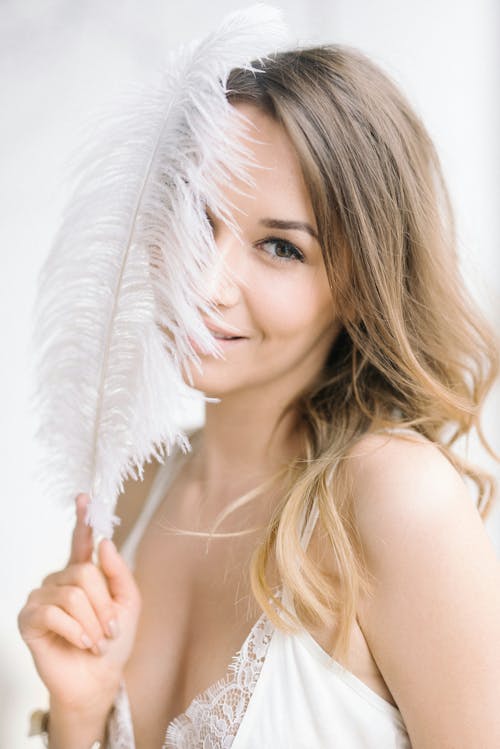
x=122, y=293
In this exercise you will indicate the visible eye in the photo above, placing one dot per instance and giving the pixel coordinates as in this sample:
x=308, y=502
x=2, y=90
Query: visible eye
x=286, y=246
x=296, y=254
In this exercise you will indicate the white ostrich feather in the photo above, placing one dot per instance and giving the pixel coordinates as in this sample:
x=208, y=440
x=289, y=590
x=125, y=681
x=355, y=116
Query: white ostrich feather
x=128, y=278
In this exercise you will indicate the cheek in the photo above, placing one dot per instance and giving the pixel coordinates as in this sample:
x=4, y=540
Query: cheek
x=286, y=306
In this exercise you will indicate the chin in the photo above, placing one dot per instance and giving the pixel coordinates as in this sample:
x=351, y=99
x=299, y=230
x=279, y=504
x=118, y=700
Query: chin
x=213, y=384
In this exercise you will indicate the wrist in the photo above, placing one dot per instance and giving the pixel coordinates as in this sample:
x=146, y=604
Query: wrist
x=77, y=726
x=40, y=724
x=93, y=709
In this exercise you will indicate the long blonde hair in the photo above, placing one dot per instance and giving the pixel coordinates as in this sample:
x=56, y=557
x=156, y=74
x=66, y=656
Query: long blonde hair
x=414, y=351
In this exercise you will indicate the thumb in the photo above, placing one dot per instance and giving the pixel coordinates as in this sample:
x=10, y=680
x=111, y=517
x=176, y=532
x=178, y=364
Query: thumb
x=120, y=580
x=81, y=541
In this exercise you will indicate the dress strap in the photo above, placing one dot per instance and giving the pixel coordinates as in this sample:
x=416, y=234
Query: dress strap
x=305, y=536
x=164, y=477
x=309, y=525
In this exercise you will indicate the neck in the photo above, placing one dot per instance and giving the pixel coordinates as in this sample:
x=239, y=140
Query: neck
x=241, y=445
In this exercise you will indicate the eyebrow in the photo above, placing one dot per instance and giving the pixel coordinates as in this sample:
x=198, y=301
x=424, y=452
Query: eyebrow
x=276, y=223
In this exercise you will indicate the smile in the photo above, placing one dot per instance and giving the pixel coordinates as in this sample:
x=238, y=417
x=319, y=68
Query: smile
x=223, y=341
x=227, y=339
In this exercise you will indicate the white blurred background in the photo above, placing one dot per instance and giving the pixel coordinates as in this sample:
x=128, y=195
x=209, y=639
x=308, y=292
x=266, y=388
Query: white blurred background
x=60, y=59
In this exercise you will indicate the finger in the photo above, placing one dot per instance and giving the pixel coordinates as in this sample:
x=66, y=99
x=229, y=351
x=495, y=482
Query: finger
x=81, y=542
x=38, y=620
x=73, y=600
x=94, y=585
x=120, y=580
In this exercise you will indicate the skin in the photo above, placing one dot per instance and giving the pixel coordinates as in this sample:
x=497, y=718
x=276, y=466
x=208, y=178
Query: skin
x=419, y=528
x=286, y=309
x=432, y=624
x=287, y=343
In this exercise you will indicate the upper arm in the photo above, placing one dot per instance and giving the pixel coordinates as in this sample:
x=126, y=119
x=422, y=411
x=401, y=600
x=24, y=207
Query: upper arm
x=131, y=501
x=433, y=620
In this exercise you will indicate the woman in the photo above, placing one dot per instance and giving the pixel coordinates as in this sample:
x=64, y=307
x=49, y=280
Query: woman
x=358, y=361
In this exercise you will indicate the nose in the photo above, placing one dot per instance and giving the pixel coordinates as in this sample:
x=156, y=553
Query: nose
x=226, y=278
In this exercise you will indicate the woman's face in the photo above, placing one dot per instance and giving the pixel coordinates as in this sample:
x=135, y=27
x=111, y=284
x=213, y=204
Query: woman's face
x=277, y=293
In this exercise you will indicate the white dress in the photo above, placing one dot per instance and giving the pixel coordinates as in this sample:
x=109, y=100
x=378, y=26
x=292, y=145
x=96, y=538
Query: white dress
x=280, y=691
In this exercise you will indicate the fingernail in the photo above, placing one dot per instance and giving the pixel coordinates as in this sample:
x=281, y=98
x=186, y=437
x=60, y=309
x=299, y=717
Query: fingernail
x=113, y=628
x=102, y=645
x=86, y=641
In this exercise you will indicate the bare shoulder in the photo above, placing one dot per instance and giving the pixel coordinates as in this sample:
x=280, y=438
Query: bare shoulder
x=397, y=448
x=404, y=472
x=433, y=620
x=406, y=493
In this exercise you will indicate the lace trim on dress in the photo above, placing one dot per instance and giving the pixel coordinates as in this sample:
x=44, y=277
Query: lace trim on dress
x=212, y=719
x=120, y=733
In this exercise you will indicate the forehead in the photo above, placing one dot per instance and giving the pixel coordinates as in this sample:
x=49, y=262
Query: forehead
x=281, y=181
x=272, y=137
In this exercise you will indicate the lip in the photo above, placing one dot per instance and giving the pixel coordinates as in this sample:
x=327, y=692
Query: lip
x=229, y=341
x=223, y=342
x=221, y=331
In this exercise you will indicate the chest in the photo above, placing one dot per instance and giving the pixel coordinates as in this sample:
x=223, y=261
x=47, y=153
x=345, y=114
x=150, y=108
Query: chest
x=197, y=610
